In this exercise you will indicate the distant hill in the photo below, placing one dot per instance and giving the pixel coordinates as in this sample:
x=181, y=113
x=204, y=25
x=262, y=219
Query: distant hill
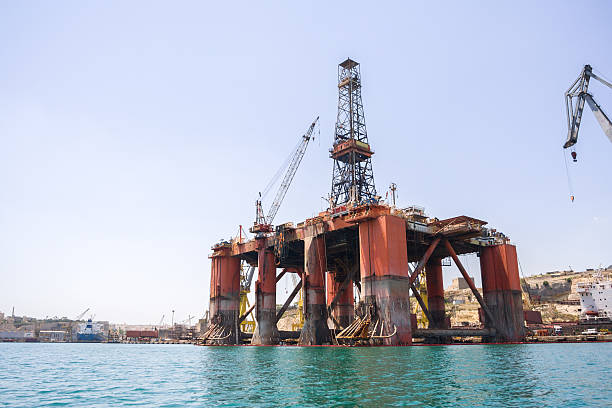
x=555, y=286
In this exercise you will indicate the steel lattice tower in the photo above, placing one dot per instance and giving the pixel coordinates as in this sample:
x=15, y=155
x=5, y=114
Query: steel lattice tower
x=353, y=179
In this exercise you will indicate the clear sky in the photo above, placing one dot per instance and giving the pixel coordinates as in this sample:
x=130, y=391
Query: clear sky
x=134, y=135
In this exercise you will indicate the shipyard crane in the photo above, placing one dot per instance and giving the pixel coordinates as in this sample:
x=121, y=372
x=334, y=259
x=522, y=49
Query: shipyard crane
x=187, y=320
x=79, y=317
x=575, y=97
x=263, y=224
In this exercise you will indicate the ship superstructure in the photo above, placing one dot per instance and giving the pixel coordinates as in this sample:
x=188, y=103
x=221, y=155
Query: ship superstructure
x=91, y=333
x=595, y=300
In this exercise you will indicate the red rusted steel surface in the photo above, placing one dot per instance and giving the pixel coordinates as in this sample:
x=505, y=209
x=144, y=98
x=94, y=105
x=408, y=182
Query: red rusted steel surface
x=533, y=317
x=315, y=329
x=435, y=293
x=225, y=296
x=502, y=290
x=141, y=333
x=266, y=331
x=343, y=311
x=382, y=242
x=384, y=275
x=225, y=285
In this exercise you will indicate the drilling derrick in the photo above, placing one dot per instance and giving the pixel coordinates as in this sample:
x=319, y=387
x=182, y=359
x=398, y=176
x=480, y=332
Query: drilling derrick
x=353, y=179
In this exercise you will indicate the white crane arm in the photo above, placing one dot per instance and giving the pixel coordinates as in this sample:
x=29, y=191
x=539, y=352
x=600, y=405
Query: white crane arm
x=601, y=117
x=291, y=170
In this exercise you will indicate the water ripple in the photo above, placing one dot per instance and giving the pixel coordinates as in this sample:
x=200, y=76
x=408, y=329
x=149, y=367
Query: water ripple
x=100, y=375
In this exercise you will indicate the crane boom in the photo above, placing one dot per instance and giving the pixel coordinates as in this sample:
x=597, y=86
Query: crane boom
x=263, y=223
x=578, y=92
x=249, y=278
x=79, y=317
x=601, y=117
x=291, y=170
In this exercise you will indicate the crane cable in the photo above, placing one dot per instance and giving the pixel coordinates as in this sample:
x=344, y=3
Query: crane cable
x=284, y=166
x=280, y=171
x=569, y=180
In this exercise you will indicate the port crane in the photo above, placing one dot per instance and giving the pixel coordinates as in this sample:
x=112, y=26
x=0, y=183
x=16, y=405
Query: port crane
x=187, y=320
x=79, y=317
x=575, y=98
x=263, y=224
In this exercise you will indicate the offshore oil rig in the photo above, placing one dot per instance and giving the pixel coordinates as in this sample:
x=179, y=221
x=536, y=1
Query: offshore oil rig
x=361, y=245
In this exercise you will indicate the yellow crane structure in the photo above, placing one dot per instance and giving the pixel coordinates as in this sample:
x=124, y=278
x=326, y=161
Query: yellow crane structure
x=422, y=320
x=246, y=276
x=295, y=326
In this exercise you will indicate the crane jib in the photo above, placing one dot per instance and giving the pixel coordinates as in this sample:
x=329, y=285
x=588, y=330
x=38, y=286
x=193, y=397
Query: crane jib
x=291, y=170
x=575, y=97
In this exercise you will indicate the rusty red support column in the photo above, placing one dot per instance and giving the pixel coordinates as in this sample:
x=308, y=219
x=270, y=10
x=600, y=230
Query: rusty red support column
x=435, y=293
x=266, y=331
x=315, y=330
x=502, y=291
x=385, y=283
x=343, y=311
x=224, y=298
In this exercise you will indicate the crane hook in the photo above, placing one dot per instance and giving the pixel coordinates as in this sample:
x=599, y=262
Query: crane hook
x=574, y=156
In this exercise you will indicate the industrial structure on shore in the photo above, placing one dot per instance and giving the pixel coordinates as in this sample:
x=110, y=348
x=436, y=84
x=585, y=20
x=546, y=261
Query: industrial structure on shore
x=64, y=330
x=361, y=243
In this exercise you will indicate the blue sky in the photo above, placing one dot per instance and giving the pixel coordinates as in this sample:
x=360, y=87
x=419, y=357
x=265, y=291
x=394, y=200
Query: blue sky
x=134, y=135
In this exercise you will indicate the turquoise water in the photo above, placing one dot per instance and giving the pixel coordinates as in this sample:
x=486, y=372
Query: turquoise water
x=98, y=375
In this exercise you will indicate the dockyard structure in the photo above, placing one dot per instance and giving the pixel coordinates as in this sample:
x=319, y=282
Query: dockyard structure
x=141, y=336
x=362, y=245
x=52, y=335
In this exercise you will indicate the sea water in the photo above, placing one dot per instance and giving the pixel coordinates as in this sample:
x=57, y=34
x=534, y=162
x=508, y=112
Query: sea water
x=101, y=375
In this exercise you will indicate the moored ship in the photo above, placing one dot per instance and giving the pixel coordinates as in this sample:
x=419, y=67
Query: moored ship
x=90, y=333
x=595, y=300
